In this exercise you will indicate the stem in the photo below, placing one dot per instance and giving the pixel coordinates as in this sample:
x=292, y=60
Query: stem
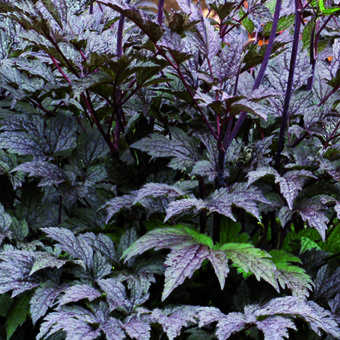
x=298, y=8
x=229, y=137
x=160, y=12
x=312, y=57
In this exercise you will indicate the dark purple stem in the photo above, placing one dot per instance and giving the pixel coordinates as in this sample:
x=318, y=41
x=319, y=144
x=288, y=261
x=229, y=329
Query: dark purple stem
x=160, y=12
x=284, y=120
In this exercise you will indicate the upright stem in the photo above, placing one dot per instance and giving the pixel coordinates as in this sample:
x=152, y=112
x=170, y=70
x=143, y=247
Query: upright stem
x=160, y=12
x=229, y=137
x=298, y=9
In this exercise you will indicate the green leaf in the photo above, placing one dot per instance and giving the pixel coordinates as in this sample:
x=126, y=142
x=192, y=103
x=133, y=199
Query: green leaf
x=5, y=303
x=306, y=34
x=253, y=260
x=17, y=314
x=291, y=276
x=284, y=22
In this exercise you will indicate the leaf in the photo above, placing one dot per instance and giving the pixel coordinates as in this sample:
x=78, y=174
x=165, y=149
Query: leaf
x=17, y=315
x=315, y=218
x=290, y=276
x=157, y=190
x=43, y=298
x=327, y=283
x=29, y=135
x=77, y=247
x=173, y=319
x=188, y=250
x=117, y=203
x=227, y=324
x=273, y=318
x=181, y=147
x=5, y=303
x=138, y=327
x=253, y=260
x=103, y=244
x=50, y=173
x=185, y=205
x=150, y=28
x=318, y=317
x=15, y=269
x=291, y=183
x=276, y=327
x=5, y=224
x=112, y=328
x=44, y=260
x=182, y=263
x=115, y=294
x=74, y=321
x=78, y=292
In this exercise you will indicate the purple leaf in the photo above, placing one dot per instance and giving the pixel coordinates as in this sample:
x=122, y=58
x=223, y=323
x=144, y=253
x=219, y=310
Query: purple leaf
x=275, y=327
x=173, y=319
x=45, y=260
x=43, y=298
x=78, y=292
x=115, y=294
x=15, y=269
x=219, y=261
x=182, y=263
x=113, y=329
x=138, y=326
x=229, y=324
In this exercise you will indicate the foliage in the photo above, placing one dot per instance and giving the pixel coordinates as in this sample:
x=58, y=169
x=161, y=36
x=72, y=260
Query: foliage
x=169, y=173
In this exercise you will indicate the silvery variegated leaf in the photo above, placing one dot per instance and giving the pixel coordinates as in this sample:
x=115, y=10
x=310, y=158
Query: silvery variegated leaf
x=29, y=135
x=173, y=319
x=77, y=247
x=5, y=224
x=179, y=146
x=276, y=327
x=50, y=174
x=15, y=269
x=78, y=292
x=44, y=298
x=137, y=326
x=75, y=321
x=115, y=294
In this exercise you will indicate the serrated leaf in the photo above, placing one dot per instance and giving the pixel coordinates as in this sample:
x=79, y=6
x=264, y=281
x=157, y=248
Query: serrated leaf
x=253, y=260
x=50, y=173
x=15, y=269
x=5, y=224
x=275, y=328
x=318, y=317
x=182, y=263
x=185, y=205
x=291, y=183
x=327, y=283
x=181, y=147
x=173, y=319
x=17, y=315
x=290, y=276
x=77, y=247
x=117, y=203
x=43, y=298
x=78, y=292
x=75, y=321
x=316, y=218
x=45, y=260
x=157, y=190
x=137, y=327
x=152, y=29
x=29, y=135
x=112, y=328
x=115, y=294
x=5, y=303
